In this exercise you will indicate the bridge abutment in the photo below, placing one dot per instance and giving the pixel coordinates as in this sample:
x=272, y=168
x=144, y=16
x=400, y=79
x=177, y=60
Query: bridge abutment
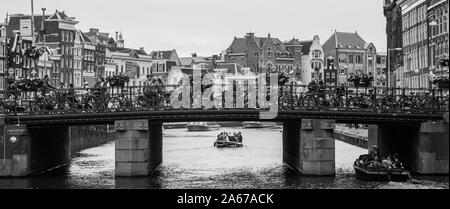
x=26, y=150
x=138, y=147
x=424, y=148
x=308, y=146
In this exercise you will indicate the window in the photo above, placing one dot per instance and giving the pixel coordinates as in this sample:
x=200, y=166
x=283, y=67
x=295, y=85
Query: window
x=342, y=58
x=1, y=67
x=350, y=58
x=358, y=59
x=317, y=54
x=77, y=79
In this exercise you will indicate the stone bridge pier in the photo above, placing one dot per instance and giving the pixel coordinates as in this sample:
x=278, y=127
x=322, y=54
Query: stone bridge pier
x=308, y=146
x=423, y=148
x=138, y=147
x=26, y=149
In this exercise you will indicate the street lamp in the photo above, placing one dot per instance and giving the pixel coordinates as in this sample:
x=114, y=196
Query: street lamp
x=3, y=87
x=389, y=64
x=44, y=40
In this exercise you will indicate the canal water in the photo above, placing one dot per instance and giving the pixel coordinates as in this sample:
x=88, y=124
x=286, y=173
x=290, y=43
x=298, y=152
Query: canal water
x=191, y=162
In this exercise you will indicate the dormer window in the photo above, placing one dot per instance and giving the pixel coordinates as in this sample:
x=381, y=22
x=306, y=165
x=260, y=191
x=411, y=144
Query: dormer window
x=317, y=54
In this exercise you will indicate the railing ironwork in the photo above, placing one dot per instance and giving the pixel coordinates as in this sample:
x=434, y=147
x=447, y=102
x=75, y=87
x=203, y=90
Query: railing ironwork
x=290, y=97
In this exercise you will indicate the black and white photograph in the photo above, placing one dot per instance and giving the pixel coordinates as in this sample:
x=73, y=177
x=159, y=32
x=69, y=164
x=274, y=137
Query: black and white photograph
x=224, y=95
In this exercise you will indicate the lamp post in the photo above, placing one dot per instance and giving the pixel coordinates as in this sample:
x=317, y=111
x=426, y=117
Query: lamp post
x=389, y=64
x=43, y=38
x=5, y=60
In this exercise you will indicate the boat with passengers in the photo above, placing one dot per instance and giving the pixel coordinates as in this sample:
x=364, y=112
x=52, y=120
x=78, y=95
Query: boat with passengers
x=225, y=139
x=371, y=167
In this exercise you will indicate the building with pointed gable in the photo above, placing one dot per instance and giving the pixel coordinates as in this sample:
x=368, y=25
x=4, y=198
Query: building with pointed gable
x=163, y=61
x=312, y=61
x=136, y=63
x=353, y=55
x=266, y=54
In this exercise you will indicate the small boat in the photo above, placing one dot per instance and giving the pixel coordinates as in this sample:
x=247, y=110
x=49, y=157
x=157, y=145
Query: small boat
x=203, y=126
x=174, y=125
x=381, y=174
x=257, y=124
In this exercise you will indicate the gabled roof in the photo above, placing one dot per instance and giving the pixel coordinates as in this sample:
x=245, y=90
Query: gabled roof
x=14, y=23
x=344, y=40
x=239, y=45
x=294, y=41
x=60, y=16
x=84, y=38
x=306, y=45
x=128, y=51
x=161, y=54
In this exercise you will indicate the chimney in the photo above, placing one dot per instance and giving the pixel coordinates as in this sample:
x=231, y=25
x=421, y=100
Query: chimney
x=250, y=34
x=141, y=48
x=117, y=34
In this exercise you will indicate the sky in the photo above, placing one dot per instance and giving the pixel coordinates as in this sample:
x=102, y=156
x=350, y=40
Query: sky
x=208, y=27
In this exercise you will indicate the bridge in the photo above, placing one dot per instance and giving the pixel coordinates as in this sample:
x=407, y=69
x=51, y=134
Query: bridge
x=410, y=122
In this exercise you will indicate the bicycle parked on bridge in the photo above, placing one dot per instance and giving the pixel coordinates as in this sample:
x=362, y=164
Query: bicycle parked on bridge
x=311, y=100
x=120, y=102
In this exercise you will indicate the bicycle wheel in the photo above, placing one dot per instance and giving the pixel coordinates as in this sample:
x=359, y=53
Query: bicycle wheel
x=114, y=104
x=338, y=102
x=35, y=107
x=94, y=104
x=139, y=103
x=353, y=103
x=309, y=102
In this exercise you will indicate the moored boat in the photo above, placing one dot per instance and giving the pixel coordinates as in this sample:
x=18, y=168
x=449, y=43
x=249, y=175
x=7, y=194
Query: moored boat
x=203, y=126
x=174, y=125
x=230, y=123
x=258, y=124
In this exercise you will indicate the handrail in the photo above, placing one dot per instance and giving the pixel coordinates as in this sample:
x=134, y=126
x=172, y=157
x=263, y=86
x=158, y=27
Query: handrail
x=292, y=97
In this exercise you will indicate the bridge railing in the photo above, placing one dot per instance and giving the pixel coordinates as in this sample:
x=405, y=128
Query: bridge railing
x=290, y=98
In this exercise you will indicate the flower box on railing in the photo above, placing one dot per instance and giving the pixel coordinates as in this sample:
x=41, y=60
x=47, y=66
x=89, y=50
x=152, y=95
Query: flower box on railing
x=117, y=80
x=362, y=80
x=441, y=82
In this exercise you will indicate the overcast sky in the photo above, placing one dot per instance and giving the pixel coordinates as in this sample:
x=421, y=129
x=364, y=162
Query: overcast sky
x=208, y=26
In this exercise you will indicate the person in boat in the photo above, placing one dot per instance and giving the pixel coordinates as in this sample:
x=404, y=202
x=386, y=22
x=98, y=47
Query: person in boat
x=222, y=136
x=232, y=138
x=397, y=163
x=360, y=160
x=375, y=162
x=387, y=163
x=239, y=137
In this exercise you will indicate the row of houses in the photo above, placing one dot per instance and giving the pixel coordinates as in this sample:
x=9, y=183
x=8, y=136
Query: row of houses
x=333, y=62
x=76, y=57
x=71, y=55
x=417, y=39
